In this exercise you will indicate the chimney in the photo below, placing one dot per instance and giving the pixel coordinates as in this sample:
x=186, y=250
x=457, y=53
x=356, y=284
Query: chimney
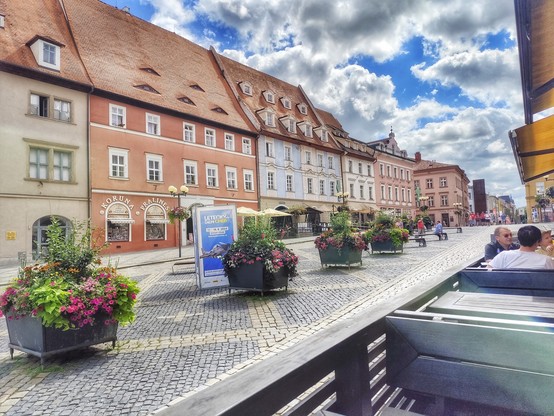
x=417, y=156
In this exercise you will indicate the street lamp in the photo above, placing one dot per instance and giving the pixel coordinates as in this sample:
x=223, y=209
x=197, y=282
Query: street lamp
x=458, y=211
x=423, y=204
x=183, y=190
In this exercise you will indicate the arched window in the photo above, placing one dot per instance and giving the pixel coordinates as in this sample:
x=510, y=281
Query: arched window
x=118, y=219
x=155, y=223
x=39, y=244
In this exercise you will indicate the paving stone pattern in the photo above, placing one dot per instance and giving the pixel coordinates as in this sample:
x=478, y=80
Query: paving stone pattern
x=185, y=339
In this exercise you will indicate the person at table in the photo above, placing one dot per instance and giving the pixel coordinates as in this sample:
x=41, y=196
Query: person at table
x=438, y=229
x=504, y=241
x=546, y=245
x=525, y=257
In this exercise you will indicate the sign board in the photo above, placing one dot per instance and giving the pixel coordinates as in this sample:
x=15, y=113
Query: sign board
x=215, y=229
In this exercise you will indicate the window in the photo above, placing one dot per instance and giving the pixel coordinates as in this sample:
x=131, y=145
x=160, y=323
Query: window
x=270, y=180
x=38, y=163
x=289, y=183
x=332, y=188
x=390, y=192
x=306, y=128
x=361, y=192
x=310, y=185
x=154, y=168
x=269, y=149
x=119, y=221
x=308, y=158
x=360, y=168
x=286, y=102
x=383, y=196
x=269, y=96
x=211, y=176
x=191, y=169
x=396, y=195
x=431, y=201
x=62, y=166
x=388, y=171
x=350, y=166
x=320, y=160
x=395, y=170
x=117, y=116
x=408, y=175
x=46, y=54
x=152, y=124
x=209, y=137
x=290, y=125
x=321, y=187
x=402, y=174
x=330, y=162
x=49, y=53
x=231, y=174
x=39, y=105
x=370, y=193
x=369, y=171
x=409, y=195
x=246, y=88
x=189, y=134
x=229, y=141
x=155, y=223
x=288, y=153
x=62, y=110
x=248, y=177
x=246, y=146
x=303, y=109
x=119, y=163
x=444, y=200
x=267, y=116
x=442, y=182
x=429, y=183
x=416, y=184
x=403, y=192
x=352, y=191
x=381, y=169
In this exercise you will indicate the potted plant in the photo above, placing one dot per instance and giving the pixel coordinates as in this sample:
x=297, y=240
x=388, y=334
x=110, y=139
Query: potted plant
x=384, y=235
x=257, y=259
x=341, y=245
x=178, y=213
x=68, y=302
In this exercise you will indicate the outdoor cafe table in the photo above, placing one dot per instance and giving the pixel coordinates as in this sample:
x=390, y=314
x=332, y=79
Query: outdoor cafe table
x=517, y=307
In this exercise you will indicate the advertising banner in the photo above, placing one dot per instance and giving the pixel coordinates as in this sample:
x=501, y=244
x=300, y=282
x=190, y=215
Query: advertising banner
x=215, y=228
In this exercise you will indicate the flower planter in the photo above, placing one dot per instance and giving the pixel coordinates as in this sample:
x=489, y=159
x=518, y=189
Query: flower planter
x=388, y=246
x=251, y=277
x=27, y=334
x=346, y=256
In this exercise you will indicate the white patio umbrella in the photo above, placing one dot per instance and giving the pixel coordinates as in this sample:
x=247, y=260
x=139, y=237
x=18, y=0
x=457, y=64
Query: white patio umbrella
x=270, y=212
x=247, y=212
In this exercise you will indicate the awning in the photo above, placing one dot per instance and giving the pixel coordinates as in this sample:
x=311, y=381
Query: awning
x=121, y=220
x=320, y=208
x=157, y=220
x=360, y=208
x=533, y=147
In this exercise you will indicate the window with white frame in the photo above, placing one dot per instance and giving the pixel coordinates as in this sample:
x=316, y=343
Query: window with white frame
x=289, y=183
x=269, y=96
x=442, y=182
x=270, y=180
x=402, y=174
x=330, y=162
x=369, y=171
x=155, y=222
x=62, y=110
x=209, y=137
x=211, y=176
x=39, y=105
x=370, y=193
x=231, y=175
x=288, y=153
x=390, y=192
x=403, y=192
x=350, y=166
x=118, y=116
x=383, y=195
x=191, y=172
x=321, y=187
x=395, y=170
x=362, y=192
x=332, y=188
x=303, y=109
x=49, y=54
x=429, y=183
x=246, y=146
x=409, y=195
x=431, y=201
x=291, y=127
x=320, y=160
x=246, y=88
x=408, y=175
x=248, y=177
x=308, y=156
x=46, y=54
x=388, y=171
x=119, y=159
x=396, y=194
x=268, y=117
x=381, y=169
x=269, y=149
x=189, y=134
x=444, y=200
x=352, y=195
x=152, y=124
x=154, y=168
x=229, y=141
x=360, y=168
x=310, y=185
x=286, y=102
x=306, y=128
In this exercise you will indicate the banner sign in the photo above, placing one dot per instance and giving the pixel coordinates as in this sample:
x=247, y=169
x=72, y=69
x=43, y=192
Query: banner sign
x=215, y=229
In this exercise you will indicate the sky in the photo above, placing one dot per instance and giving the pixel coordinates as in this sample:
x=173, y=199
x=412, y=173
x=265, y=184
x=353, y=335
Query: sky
x=444, y=74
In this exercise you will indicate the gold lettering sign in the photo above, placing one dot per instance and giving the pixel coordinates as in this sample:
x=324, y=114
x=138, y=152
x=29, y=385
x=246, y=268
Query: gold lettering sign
x=11, y=235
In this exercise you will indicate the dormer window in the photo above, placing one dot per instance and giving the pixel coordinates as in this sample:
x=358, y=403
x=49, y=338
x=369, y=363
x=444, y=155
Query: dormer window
x=219, y=110
x=149, y=70
x=303, y=108
x=186, y=100
x=289, y=123
x=306, y=128
x=246, y=88
x=46, y=52
x=268, y=117
x=147, y=88
x=197, y=87
x=286, y=102
x=321, y=133
x=269, y=96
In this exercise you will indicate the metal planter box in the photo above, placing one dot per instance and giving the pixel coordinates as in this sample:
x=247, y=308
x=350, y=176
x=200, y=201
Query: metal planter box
x=27, y=334
x=346, y=256
x=251, y=277
x=389, y=246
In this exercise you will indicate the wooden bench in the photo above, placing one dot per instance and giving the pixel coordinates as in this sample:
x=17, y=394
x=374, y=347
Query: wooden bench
x=480, y=362
x=443, y=236
x=420, y=240
x=186, y=262
x=529, y=282
x=458, y=229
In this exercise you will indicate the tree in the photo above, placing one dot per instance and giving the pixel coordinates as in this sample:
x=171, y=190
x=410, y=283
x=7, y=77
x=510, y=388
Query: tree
x=542, y=202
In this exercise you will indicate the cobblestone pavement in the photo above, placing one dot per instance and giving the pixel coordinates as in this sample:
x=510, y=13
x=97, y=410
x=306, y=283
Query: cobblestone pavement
x=185, y=339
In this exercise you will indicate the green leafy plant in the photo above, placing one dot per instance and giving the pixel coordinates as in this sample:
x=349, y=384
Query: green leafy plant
x=341, y=234
x=384, y=229
x=70, y=290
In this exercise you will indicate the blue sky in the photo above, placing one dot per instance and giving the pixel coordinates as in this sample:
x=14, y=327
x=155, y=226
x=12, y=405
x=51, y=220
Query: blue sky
x=444, y=74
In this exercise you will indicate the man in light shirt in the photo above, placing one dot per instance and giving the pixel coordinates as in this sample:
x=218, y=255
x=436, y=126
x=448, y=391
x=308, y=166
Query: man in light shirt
x=529, y=238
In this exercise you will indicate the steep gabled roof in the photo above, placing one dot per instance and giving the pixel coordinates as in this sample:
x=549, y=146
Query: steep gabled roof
x=30, y=20
x=132, y=58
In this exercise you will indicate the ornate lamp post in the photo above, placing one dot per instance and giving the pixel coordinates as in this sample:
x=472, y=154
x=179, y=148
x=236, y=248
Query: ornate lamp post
x=458, y=211
x=183, y=190
x=342, y=197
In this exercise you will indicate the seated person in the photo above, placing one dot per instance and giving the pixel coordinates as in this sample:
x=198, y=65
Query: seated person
x=546, y=246
x=438, y=229
x=503, y=242
x=525, y=258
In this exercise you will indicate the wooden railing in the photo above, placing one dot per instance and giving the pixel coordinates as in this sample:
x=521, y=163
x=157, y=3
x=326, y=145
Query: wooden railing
x=340, y=369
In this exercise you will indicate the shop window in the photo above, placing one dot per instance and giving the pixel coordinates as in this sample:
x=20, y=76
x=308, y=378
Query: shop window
x=155, y=224
x=118, y=219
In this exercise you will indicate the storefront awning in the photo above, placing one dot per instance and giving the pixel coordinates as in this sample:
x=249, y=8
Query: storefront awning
x=121, y=220
x=533, y=147
x=360, y=208
x=320, y=208
x=157, y=221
